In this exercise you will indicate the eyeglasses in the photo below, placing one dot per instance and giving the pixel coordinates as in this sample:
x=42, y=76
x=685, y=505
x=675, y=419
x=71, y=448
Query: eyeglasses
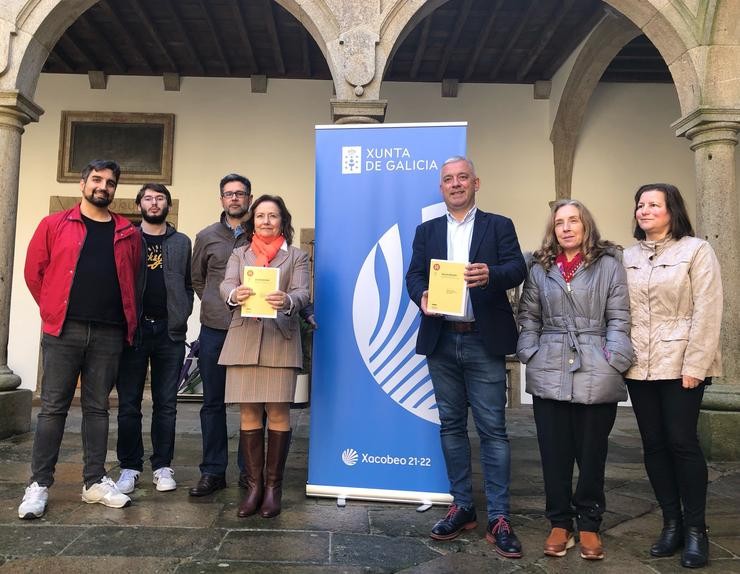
x=153, y=199
x=230, y=194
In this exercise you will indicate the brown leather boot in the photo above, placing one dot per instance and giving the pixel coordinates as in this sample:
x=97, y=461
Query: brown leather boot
x=252, y=445
x=591, y=548
x=278, y=444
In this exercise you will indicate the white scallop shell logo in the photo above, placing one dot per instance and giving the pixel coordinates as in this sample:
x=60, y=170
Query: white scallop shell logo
x=349, y=457
x=386, y=326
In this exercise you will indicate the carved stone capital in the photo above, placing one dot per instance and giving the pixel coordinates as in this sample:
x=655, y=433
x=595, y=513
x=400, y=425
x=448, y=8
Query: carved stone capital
x=17, y=110
x=707, y=125
x=358, y=112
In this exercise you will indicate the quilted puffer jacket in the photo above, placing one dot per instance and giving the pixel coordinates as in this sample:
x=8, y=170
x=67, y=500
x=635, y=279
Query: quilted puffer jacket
x=575, y=338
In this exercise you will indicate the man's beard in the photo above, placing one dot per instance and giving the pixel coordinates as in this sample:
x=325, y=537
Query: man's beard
x=155, y=219
x=238, y=214
x=99, y=201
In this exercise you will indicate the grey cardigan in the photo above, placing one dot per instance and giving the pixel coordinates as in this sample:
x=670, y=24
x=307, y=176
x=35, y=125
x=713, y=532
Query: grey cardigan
x=575, y=339
x=177, y=271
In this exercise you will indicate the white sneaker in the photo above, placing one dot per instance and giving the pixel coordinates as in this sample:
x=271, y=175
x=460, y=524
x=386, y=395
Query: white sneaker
x=127, y=481
x=164, y=478
x=106, y=493
x=34, y=501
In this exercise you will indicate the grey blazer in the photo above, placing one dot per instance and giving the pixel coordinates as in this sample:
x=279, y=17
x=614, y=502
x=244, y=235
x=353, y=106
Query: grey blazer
x=266, y=342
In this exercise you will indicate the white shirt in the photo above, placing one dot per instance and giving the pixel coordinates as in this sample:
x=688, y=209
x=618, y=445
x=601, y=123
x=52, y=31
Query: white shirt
x=459, y=238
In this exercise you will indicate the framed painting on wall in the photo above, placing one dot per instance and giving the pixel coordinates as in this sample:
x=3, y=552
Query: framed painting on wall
x=140, y=143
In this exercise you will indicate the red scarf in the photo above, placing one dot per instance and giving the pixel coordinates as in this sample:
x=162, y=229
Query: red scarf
x=568, y=268
x=265, y=248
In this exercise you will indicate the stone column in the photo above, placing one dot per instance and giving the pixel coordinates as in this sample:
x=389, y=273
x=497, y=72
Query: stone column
x=714, y=134
x=15, y=111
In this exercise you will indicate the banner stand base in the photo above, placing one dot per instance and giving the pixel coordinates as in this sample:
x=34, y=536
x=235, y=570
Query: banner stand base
x=424, y=500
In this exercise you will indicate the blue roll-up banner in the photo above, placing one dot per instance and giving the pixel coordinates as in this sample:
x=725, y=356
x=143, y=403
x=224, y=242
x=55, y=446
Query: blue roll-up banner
x=374, y=421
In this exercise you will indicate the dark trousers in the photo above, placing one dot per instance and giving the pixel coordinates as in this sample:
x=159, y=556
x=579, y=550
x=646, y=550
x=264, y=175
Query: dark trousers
x=165, y=356
x=213, y=411
x=667, y=415
x=571, y=433
x=90, y=351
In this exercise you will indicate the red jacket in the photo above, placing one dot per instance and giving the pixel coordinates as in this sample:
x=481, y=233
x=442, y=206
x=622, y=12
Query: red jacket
x=51, y=263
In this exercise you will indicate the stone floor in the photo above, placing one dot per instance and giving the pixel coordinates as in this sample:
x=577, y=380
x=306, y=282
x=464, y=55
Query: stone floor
x=170, y=532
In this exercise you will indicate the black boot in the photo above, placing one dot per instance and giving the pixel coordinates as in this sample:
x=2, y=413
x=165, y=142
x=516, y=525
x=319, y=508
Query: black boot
x=670, y=540
x=695, y=548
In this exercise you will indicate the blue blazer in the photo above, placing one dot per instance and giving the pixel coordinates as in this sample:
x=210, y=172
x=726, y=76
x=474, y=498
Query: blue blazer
x=495, y=243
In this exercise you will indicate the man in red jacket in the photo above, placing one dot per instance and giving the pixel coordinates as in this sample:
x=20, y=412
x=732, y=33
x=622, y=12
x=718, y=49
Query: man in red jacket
x=81, y=269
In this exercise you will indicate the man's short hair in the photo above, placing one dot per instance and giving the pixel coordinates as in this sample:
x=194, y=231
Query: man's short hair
x=456, y=158
x=100, y=165
x=236, y=177
x=156, y=188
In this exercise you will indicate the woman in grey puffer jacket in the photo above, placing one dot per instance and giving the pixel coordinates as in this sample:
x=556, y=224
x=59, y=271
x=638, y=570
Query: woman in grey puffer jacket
x=575, y=340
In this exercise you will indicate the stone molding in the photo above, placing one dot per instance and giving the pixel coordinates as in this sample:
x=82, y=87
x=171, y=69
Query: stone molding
x=17, y=110
x=358, y=112
x=7, y=32
x=705, y=119
x=721, y=397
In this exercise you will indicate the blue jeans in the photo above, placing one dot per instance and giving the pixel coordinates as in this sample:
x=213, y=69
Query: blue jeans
x=464, y=373
x=165, y=356
x=90, y=351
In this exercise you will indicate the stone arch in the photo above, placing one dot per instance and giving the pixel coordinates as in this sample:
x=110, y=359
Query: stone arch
x=674, y=32
x=398, y=22
x=674, y=29
x=606, y=40
x=38, y=27
x=318, y=19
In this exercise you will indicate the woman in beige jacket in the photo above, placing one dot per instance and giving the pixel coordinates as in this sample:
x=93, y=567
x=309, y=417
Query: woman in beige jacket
x=676, y=306
x=263, y=355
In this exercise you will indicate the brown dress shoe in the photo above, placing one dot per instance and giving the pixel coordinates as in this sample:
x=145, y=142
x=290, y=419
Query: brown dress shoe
x=559, y=541
x=591, y=548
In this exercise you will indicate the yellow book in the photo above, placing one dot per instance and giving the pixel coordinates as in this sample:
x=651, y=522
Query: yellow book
x=262, y=280
x=448, y=292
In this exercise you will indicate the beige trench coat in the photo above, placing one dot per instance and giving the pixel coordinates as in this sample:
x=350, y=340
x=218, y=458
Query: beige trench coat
x=267, y=342
x=676, y=304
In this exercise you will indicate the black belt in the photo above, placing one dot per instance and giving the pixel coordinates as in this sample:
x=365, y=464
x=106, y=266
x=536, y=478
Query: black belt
x=153, y=319
x=460, y=326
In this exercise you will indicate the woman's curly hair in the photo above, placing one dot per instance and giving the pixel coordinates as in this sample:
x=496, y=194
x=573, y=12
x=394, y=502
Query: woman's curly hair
x=593, y=246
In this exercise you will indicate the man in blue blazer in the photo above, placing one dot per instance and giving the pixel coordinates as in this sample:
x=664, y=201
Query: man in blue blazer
x=466, y=355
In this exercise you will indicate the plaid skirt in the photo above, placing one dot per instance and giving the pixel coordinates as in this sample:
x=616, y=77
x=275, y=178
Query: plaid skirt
x=256, y=384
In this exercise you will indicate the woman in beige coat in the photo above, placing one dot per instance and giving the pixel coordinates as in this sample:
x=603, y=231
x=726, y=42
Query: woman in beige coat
x=263, y=356
x=676, y=305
